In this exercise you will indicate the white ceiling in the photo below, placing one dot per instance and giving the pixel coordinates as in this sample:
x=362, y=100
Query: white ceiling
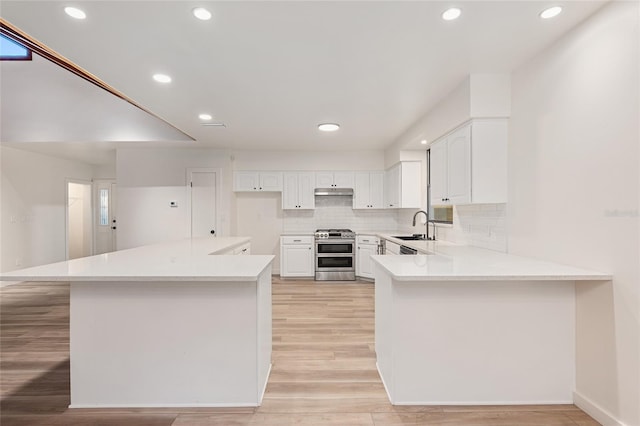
x=271, y=71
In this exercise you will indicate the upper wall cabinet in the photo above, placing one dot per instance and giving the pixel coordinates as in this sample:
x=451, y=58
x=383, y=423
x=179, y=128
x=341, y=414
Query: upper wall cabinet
x=368, y=190
x=402, y=185
x=298, y=190
x=257, y=181
x=469, y=165
x=335, y=179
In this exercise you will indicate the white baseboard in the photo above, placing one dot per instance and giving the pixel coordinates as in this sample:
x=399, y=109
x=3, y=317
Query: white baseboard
x=601, y=415
x=386, y=389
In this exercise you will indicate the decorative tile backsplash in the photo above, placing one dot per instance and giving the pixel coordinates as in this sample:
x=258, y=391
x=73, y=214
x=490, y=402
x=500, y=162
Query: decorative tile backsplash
x=479, y=225
x=338, y=212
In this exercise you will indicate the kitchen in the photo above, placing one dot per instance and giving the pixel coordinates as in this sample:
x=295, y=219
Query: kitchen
x=550, y=214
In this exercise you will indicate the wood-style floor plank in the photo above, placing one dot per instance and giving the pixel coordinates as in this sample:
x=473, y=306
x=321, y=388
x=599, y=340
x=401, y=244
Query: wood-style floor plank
x=323, y=373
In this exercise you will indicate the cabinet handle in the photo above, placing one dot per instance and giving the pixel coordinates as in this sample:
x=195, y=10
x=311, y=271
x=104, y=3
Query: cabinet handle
x=260, y=188
x=297, y=241
x=365, y=241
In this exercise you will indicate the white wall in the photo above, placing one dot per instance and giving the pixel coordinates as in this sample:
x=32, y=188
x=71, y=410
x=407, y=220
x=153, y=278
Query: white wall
x=574, y=193
x=149, y=179
x=33, y=199
x=308, y=160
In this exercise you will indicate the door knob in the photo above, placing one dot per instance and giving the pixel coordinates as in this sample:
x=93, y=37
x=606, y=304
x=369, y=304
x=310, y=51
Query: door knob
x=213, y=232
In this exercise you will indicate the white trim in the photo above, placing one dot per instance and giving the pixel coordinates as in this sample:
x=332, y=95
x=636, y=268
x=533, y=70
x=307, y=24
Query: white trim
x=264, y=388
x=185, y=405
x=601, y=415
x=386, y=389
x=465, y=403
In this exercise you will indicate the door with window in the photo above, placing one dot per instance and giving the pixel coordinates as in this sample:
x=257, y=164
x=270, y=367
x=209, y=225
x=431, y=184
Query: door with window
x=105, y=216
x=203, y=184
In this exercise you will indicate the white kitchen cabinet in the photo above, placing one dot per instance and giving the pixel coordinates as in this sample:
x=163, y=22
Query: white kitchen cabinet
x=297, y=191
x=335, y=179
x=469, y=165
x=249, y=181
x=368, y=190
x=402, y=185
x=367, y=245
x=296, y=256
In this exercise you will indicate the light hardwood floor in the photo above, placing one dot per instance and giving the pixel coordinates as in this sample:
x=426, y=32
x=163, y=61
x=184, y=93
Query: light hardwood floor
x=323, y=368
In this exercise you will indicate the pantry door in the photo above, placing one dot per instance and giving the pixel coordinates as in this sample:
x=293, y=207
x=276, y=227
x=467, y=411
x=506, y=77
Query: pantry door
x=204, y=189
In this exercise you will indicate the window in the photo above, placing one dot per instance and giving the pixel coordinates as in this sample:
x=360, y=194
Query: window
x=443, y=214
x=11, y=50
x=104, y=207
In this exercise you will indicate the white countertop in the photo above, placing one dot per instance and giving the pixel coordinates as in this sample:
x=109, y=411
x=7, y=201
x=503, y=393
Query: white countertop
x=452, y=262
x=184, y=260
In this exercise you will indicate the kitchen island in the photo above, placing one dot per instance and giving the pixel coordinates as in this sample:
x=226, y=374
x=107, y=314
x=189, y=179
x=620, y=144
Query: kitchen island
x=469, y=326
x=169, y=325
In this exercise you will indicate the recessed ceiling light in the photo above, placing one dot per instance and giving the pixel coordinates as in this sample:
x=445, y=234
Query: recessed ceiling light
x=423, y=141
x=550, y=12
x=205, y=117
x=74, y=12
x=328, y=127
x=451, y=14
x=202, y=13
x=162, y=78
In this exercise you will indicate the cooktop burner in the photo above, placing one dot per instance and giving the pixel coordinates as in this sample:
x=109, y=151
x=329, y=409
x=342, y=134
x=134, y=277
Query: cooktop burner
x=334, y=233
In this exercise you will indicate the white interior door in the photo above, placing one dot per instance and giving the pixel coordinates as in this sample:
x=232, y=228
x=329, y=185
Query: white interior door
x=105, y=216
x=203, y=185
x=79, y=220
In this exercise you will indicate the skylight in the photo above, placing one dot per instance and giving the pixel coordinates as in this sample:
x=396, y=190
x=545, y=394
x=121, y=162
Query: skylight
x=11, y=50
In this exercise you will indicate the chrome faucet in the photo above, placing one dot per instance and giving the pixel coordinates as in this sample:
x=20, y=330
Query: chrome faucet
x=426, y=225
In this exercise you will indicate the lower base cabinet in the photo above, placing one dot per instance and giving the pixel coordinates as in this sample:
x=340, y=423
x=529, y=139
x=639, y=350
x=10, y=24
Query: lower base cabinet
x=297, y=256
x=367, y=245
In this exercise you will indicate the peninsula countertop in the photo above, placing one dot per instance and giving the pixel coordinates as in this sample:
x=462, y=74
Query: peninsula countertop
x=444, y=261
x=183, y=260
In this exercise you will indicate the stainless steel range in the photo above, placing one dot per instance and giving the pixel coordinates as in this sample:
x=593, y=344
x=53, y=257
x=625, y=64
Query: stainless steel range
x=335, y=255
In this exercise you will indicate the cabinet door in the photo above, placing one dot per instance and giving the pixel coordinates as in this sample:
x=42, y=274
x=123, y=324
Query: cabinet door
x=459, y=165
x=376, y=190
x=361, y=192
x=343, y=179
x=290, y=191
x=364, y=265
x=439, y=174
x=297, y=260
x=324, y=179
x=392, y=187
x=246, y=181
x=270, y=181
x=306, y=187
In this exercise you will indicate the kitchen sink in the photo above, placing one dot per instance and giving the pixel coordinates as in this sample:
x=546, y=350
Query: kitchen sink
x=409, y=237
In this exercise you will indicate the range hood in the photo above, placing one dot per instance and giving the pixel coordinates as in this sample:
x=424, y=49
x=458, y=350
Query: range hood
x=348, y=192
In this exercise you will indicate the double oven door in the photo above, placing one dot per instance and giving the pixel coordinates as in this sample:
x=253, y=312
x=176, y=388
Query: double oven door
x=335, y=259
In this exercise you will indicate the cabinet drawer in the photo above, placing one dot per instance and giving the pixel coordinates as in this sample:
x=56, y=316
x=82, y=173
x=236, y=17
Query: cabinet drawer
x=301, y=239
x=367, y=239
